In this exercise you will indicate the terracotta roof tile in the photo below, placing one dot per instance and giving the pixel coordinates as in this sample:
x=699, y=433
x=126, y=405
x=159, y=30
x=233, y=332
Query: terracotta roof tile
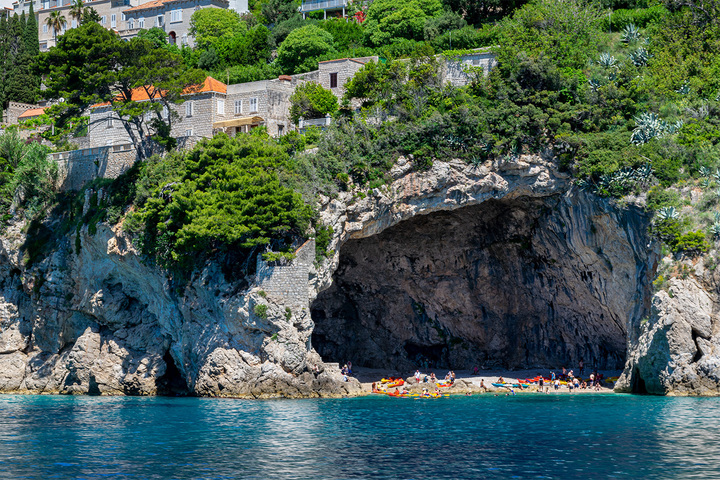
x=148, y=5
x=33, y=112
x=209, y=85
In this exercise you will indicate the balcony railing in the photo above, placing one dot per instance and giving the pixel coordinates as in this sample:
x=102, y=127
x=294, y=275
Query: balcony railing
x=311, y=5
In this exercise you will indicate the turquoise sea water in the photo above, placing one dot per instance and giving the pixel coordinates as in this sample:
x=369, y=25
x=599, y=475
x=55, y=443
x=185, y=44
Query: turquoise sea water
x=528, y=436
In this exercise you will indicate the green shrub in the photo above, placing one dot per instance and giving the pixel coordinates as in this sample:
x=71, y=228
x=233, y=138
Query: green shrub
x=311, y=100
x=641, y=17
x=691, y=243
x=659, y=197
x=323, y=235
x=260, y=310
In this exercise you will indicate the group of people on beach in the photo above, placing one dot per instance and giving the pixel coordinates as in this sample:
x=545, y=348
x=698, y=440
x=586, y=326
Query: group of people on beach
x=571, y=381
x=449, y=378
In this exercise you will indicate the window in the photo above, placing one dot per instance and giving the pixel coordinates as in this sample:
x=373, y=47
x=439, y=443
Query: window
x=110, y=119
x=45, y=28
x=113, y=21
x=141, y=22
x=122, y=17
x=74, y=24
x=176, y=16
x=184, y=39
x=160, y=20
x=253, y=105
x=189, y=109
x=188, y=132
x=333, y=80
x=131, y=24
x=238, y=107
x=165, y=112
x=281, y=129
x=221, y=107
x=103, y=20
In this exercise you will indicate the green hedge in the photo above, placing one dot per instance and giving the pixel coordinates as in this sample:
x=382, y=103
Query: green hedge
x=641, y=17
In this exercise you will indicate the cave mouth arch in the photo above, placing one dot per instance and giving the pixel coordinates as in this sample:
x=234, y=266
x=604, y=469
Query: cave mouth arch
x=518, y=283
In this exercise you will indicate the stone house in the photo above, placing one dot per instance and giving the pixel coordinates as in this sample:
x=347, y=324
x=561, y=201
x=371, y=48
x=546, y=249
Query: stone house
x=334, y=74
x=110, y=11
x=252, y=104
x=17, y=111
x=457, y=71
x=173, y=16
x=203, y=107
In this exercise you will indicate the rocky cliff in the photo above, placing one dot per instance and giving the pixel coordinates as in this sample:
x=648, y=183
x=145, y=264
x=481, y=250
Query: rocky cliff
x=94, y=319
x=501, y=265
x=676, y=349
x=497, y=264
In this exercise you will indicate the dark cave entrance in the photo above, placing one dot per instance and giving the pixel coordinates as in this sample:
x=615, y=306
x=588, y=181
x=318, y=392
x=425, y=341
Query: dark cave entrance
x=173, y=383
x=519, y=283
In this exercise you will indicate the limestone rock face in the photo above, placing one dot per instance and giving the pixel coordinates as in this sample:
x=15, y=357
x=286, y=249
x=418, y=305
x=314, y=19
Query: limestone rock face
x=677, y=351
x=99, y=321
x=502, y=262
x=506, y=267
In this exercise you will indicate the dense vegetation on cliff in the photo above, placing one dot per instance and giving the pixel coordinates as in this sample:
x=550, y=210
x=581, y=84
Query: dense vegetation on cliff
x=624, y=94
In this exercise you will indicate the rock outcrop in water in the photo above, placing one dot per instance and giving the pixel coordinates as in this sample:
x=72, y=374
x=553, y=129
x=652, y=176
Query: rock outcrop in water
x=101, y=322
x=676, y=350
x=501, y=264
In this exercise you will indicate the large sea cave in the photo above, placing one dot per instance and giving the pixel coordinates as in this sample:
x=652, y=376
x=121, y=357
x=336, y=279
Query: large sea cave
x=515, y=283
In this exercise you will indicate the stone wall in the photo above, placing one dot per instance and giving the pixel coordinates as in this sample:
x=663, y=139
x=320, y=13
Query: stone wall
x=288, y=284
x=77, y=167
x=459, y=71
x=345, y=69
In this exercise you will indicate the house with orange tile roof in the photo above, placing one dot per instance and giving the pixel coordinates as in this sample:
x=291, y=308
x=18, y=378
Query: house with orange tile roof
x=204, y=105
x=173, y=16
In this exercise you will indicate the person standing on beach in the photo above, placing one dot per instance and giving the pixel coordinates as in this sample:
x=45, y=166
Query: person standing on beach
x=552, y=376
x=557, y=384
x=541, y=382
x=417, y=376
x=592, y=379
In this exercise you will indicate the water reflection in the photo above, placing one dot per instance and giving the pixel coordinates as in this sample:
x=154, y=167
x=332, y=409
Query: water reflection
x=477, y=437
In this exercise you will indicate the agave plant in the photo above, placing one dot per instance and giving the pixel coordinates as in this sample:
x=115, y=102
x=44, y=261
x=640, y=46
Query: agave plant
x=716, y=175
x=715, y=230
x=684, y=89
x=607, y=61
x=594, y=85
x=717, y=217
x=672, y=128
x=704, y=172
x=649, y=126
x=631, y=34
x=705, y=183
x=643, y=173
x=640, y=57
x=667, y=213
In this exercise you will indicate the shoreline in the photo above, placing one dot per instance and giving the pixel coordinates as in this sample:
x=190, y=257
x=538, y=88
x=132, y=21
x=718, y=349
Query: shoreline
x=468, y=382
